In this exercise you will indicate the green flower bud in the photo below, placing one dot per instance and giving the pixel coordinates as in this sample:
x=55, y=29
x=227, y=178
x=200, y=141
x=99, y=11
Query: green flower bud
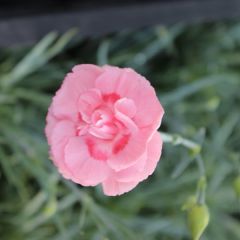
x=236, y=186
x=198, y=219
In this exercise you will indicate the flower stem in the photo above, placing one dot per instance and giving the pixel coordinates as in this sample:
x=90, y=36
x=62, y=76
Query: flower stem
x=200, y=165
x=195, y=148
x=176, y=139
x=201, y=190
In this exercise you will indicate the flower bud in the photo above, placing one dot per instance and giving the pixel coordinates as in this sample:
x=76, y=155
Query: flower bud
x=236, y=186
x=198, y=219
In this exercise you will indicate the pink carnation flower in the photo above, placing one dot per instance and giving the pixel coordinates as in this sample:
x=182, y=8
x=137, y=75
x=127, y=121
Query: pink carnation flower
x=102, y=128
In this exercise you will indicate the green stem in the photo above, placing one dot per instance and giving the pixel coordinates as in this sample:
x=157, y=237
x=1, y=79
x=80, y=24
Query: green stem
x=176, y=139
x=193, y=146
x=201, y=190
x=200, y=165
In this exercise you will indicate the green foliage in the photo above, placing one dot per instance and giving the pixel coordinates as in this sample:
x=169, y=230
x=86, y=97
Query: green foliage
x=196, y=72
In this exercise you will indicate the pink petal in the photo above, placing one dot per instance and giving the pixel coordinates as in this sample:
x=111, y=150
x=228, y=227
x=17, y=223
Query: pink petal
x=126, y=106
x=51, y=123
x=61, y=133
x=80, y=80
x=125, y=180
x=127, y=122
x=124, y=111
x=86, y=170
x=108, y=80
x=134, y=148
x=120, y=143
x=129, y=84
x=87, y=102
x=134, y=172
x=116, y=80
x=145, y=165
x=95, y=149
x=154, y=151
x=85, y=76
x=111, y=187
x=105, y=132
x=149, y=111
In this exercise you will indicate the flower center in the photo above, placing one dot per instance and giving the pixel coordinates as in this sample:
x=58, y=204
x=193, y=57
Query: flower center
x=102, y=124
x=106, y=123
x=96, y=116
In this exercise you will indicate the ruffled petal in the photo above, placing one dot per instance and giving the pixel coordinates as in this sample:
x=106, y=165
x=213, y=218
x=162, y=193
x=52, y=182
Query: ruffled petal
x=111, y=187
x=107, y=82
x=87, y=102
x=86, y=170
x=154, y=151
x=145, y=165
x=128, y=84
x=51, y=122
x=127, y=122
x=149, y=111
x=125, y=110
x=61, y=133
x=134, y=147
x=80, y=80
x=126, y=106
x=134, y=172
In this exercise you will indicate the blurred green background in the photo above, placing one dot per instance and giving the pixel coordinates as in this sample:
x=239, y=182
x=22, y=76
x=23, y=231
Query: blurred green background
x=196, y=72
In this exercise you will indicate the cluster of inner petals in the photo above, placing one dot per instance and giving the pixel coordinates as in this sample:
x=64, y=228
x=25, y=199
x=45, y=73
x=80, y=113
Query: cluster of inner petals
x=107, y=118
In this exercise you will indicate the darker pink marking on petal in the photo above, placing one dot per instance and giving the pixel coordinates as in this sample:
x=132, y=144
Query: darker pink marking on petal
x=112, y=97
x=120, y=144
x=94, y=152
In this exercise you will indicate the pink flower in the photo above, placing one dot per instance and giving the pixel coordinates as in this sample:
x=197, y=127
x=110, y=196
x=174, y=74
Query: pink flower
x=101, y=128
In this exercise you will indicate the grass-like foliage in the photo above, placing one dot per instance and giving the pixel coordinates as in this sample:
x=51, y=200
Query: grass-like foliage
x=196, y=72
